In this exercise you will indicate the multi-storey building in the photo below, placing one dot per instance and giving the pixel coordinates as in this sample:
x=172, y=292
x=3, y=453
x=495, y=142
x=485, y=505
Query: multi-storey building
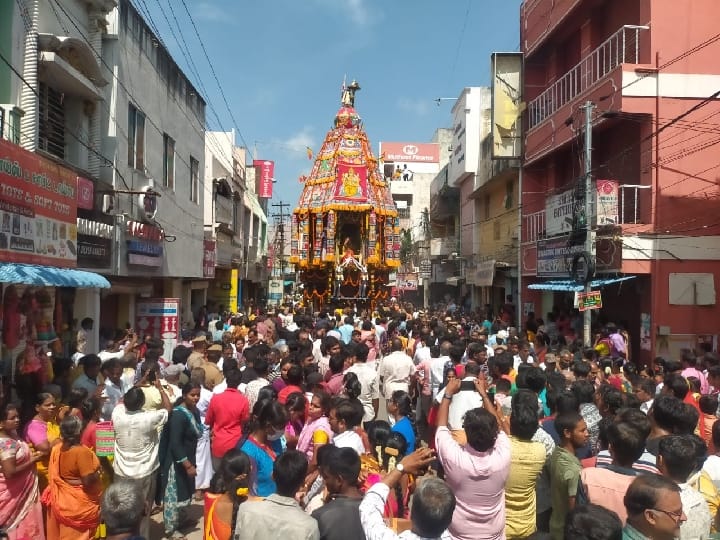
x=153, y=126
x=410, y=169
x=652, y=78
x=453, y=211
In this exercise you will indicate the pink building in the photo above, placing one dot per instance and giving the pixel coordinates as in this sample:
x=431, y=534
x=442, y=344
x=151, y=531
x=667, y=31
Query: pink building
x=653, y=74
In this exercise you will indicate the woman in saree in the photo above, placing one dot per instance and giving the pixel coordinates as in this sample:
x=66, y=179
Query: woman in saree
x=177, y=459
x=20, y=509
x=231, y=481
x=74, y=490
x=43, y=433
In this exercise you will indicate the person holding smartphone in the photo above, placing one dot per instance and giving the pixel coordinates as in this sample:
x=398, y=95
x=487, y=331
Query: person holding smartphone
x=467, y=398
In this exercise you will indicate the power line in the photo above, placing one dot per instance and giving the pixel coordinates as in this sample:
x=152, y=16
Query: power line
x=212, y=70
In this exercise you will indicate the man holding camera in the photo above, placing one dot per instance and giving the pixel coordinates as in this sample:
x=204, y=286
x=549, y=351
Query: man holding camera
x=466, y=399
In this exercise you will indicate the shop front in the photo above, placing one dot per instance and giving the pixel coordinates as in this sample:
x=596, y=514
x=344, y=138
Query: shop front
x=39, y=279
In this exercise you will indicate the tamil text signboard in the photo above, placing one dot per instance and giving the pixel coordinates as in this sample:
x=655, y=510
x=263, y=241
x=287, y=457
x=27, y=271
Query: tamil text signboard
x=38, y=209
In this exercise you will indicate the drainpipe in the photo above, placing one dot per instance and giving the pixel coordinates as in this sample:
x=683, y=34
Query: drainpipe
x=95, y=38
x=28, y=97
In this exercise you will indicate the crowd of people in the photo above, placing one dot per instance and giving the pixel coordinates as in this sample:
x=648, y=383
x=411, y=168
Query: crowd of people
x=345, y=425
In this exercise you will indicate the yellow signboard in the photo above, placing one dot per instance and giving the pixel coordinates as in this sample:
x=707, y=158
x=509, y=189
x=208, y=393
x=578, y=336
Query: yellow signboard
x=233, y=294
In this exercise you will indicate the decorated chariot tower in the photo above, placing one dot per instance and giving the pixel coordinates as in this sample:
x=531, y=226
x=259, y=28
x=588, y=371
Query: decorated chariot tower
x=345, y=229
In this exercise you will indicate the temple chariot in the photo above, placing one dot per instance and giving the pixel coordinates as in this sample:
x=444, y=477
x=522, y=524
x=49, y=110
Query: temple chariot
x=345, y=231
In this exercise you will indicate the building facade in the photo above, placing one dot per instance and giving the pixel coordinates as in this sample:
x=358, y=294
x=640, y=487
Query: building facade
x=154, y=129
x=651, y=79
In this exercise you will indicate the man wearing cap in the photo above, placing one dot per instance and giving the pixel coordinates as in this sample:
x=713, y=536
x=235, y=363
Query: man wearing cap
x=213, y=375
x=197, y=357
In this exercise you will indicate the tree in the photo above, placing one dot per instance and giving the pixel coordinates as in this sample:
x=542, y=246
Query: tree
x=407, y=249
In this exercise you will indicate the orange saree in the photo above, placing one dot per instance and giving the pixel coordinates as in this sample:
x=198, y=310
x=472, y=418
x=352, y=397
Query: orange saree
x=73, y=511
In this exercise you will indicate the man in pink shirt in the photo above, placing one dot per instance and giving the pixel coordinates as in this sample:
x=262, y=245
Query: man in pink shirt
x=225, y=416
x=689, y=364
x=477, y=471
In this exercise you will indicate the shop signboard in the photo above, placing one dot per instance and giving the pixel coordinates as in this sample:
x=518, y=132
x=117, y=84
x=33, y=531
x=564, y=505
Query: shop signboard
x=208, y=259
x=144, y=244
x=265, y=177
x=38, y=209
x=561, y=207
x=589, y=300
x=485, y=273
x=425, y=269
x=233, y=295
x=275, y=291
x=554, y=256
x=407, y=281
x=607, y=202
x=159, y=318
x=94, y=243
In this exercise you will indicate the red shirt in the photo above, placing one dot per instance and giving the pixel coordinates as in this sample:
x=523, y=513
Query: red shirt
x=225, y=415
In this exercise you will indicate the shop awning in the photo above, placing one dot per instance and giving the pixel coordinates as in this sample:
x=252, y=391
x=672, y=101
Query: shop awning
x=50, y=276
x=574, y=286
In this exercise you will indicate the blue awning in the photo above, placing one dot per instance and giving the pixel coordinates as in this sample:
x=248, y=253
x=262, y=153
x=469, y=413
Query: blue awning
x=50, y=276
x=574, y=286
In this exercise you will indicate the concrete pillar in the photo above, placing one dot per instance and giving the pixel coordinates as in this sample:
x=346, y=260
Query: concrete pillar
x=95, y=39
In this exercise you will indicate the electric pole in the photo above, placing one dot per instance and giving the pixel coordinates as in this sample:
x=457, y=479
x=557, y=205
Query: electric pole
x=280, y=233
x=589, y=217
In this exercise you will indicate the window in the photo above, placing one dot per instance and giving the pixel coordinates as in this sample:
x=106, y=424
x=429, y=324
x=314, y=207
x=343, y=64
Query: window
x=168, y=161
x=52, y=121
x=404, y=213
x=236, y=214
x=487, y=206
x=194, y=180
x=508, y=196
x=136, y=138
x=496, y=229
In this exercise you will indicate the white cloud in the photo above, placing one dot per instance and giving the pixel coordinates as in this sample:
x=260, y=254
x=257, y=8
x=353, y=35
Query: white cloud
x=209, y=11
x=417, y=106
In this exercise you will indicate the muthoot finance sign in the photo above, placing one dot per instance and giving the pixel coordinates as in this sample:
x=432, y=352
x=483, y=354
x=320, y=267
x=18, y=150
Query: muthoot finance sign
x=410, y=152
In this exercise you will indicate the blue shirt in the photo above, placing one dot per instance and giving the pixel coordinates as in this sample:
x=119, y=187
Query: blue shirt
x=404, y=428
x=346, y=331
x=263, y=484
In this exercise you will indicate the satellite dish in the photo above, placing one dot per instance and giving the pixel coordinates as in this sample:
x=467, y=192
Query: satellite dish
x=148, y=203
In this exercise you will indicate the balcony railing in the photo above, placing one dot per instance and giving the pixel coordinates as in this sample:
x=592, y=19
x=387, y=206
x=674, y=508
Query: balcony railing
x=442, y=247
x=534, y=227
x=623, y=47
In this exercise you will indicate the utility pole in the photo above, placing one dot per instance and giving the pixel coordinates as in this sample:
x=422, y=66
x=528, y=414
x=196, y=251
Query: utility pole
x=589, y=215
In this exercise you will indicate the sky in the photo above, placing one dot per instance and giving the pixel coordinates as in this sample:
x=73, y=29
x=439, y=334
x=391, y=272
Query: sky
x=281, y=64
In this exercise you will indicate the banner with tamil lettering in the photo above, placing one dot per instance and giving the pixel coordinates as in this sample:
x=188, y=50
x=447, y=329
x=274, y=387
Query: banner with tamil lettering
x=38, y=209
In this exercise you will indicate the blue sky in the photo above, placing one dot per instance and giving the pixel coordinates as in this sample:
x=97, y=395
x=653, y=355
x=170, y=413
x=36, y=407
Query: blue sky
x=281, y=65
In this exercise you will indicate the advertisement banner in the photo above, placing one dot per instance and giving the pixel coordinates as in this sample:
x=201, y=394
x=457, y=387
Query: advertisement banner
x=607, y=202
x=38, y=209
x=485, y=273
x=407, y=281
x=353, y=184
x=554, y=256
x=410, y=152
x=275, y=291
x=234, y=282
x=159, y=318
x=507, y=104
x=265, y=174
x=559, y=211
x=208, y=259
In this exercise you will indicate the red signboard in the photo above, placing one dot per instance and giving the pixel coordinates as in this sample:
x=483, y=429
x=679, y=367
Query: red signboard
x=264, y=174
x=38, y=209
x=85, y=193
x=209, y=258
x=410, y=152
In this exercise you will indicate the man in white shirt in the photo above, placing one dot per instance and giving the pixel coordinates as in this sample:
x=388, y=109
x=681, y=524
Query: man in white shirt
x=341, y=420
x=115, y=387
x=466, y=399
x=368, y=378
x=422, y=351
x=112, y=350
x=437, y=367
x=396, y=369
x=433, y=503
x=137, y=441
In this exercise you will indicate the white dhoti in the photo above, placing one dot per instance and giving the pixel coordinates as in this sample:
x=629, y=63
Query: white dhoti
x=204, y=460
